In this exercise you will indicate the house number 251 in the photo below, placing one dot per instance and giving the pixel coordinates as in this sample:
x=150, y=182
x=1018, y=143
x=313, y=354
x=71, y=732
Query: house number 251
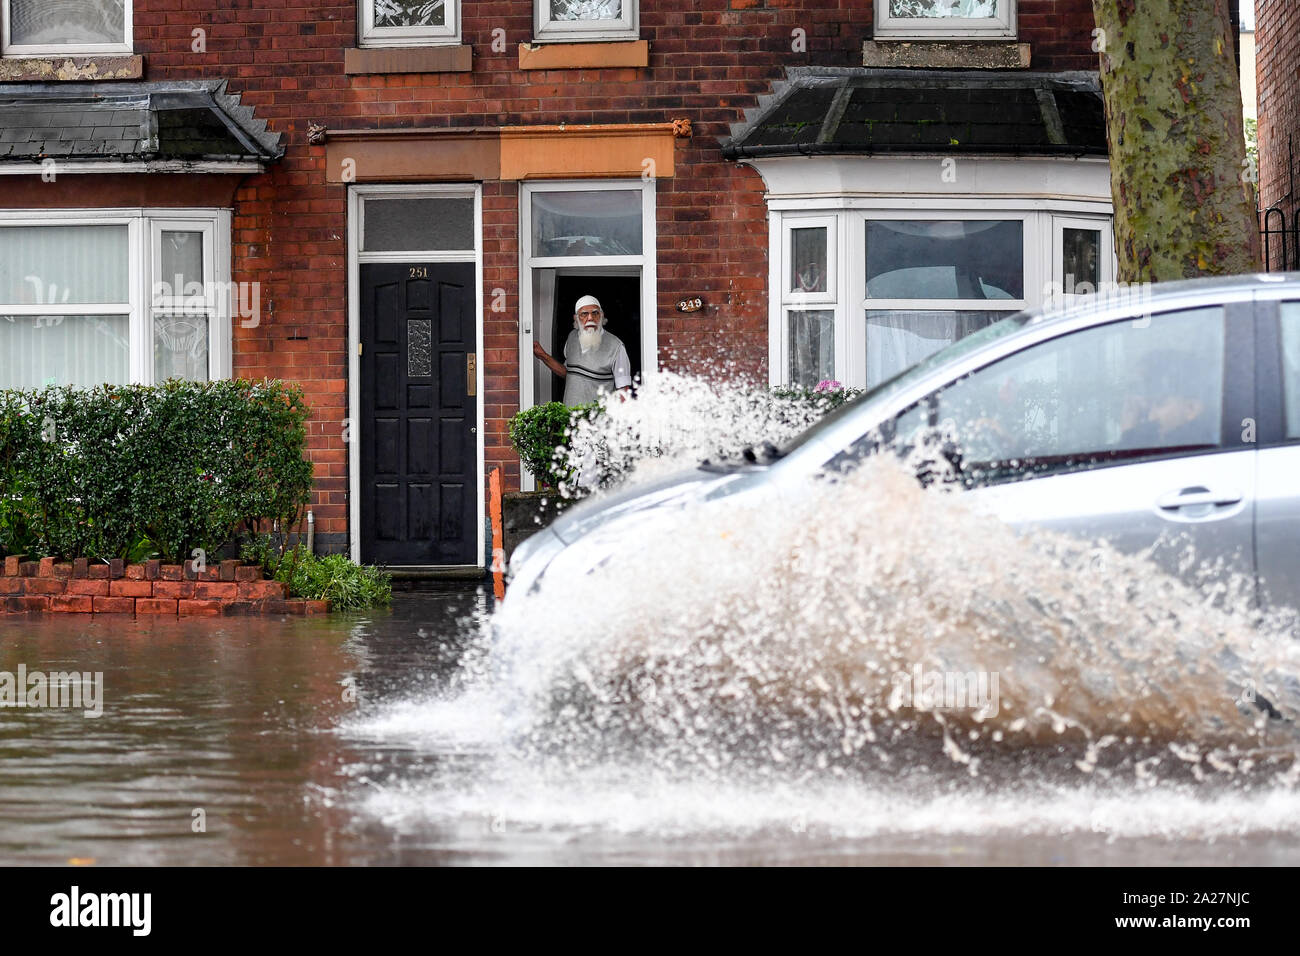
x=419, y=272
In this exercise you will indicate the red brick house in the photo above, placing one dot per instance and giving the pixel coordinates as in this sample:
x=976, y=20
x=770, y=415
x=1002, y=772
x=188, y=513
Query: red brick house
x=389, y=201
x=1277, y=71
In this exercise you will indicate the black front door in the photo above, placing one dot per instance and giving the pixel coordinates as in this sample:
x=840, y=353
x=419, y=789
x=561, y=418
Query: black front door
x=419, y=475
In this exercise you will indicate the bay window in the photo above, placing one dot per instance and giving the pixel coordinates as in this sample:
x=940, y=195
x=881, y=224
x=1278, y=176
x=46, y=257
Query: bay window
x=870, y=290
x=585, y=19
x=113, y=297
x=945, y=19
x=60, y=27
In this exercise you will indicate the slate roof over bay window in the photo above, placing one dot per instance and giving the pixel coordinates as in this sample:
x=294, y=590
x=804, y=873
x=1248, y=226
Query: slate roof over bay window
x=866, y=111
x=188, y=121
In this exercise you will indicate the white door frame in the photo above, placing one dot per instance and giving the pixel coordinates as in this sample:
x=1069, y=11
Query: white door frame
x=352, y=425
x=646, y=262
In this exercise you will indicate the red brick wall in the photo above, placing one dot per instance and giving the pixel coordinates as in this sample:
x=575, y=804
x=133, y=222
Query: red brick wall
x=1277, y=70
x=708, y=62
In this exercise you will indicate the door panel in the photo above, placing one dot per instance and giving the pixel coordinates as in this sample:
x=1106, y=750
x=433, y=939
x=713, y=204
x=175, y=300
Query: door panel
x=419, y=475
x=1133, y=430
x=1135, y=506
x=1277, y=541
x=1277, y=529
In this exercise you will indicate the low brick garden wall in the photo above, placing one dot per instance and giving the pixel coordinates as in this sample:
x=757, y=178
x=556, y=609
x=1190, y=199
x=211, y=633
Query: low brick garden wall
x=79, y=587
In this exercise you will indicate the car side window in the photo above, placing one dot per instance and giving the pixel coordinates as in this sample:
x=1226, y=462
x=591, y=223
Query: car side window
x=1130, y=389
x=1291, y=367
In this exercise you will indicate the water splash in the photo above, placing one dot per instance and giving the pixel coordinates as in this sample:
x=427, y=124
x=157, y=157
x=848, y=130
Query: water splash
x=745, y=664
x=759, y=635
x=677, y=421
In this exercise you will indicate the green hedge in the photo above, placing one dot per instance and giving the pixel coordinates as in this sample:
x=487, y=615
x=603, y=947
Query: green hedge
x=132, y=471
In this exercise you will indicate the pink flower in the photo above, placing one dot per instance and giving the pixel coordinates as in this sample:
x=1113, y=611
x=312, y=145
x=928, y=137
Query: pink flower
x=826, y=384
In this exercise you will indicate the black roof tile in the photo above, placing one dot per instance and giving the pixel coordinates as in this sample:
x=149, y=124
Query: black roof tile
x=880, y=111
x=185, y=120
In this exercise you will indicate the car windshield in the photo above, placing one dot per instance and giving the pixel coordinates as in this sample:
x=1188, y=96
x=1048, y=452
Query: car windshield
x=904, y=379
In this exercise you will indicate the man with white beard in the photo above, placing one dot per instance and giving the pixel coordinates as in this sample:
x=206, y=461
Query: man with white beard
x=595, y=361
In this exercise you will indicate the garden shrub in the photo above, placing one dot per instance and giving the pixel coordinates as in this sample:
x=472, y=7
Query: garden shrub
x=538, y=431
x=133, y=471
x=331, y=577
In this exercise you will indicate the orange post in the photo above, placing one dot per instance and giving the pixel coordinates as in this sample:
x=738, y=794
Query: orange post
x=498, y=538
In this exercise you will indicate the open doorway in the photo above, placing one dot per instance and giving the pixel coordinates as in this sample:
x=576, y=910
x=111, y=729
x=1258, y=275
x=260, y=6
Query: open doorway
x=587, y=237
x=557, y=290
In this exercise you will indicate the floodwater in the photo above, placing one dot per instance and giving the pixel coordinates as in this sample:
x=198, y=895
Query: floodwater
x=369, y=739
x=746, y=684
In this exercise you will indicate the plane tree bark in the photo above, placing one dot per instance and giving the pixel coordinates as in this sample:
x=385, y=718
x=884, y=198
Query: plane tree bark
x=1184, y=195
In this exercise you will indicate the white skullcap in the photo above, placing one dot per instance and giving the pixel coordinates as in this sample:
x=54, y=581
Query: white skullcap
x=586, y=300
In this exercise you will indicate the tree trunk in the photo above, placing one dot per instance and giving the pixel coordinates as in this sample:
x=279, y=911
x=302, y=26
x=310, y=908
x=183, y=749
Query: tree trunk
x=1184, y=195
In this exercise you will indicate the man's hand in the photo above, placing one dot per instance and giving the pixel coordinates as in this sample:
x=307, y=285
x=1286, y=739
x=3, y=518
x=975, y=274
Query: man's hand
x=555, y=366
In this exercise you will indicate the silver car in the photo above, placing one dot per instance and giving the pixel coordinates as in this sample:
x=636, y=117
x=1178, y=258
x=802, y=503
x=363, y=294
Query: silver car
x=1164, y=415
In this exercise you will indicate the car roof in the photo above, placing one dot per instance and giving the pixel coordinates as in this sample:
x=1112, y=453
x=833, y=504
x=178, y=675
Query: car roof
x=1115, y=296
x=1032, y=324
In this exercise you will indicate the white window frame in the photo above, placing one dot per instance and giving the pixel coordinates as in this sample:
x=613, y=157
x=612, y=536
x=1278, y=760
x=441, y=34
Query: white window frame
x=794, y=300
x=646, y=262
x=1042, y=222
x=1106, y=266
x=943, y=28
x=8, y=48
x=548, y=30
x=372, y=36
x=143, y=225
x=211, y=297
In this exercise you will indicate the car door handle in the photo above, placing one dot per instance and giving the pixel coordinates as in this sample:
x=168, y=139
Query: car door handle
x=1191, y=497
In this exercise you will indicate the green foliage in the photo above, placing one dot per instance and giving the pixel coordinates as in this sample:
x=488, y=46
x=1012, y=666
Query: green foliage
x=132, y=471
x=823, y=399
x=1252, y=142
x=538, y=431
x=333, y=578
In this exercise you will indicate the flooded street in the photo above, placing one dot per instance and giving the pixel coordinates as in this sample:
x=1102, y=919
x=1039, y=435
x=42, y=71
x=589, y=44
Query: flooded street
x=350, y=741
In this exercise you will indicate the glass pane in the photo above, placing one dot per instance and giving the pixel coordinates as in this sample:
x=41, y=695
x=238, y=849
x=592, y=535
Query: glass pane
x=897, y=340
x=182, y=264
x=43, y=22
x=410, y=13
x=586, y=9
x=1080, y=258
x=808, y=251
x=85, y=350
x=945, y=259
x=974, y=9
x=41, y=265
x=1291, y=366
x=180, y=347
x=419, y=225
x=596, y=222
x=419, y=348
x=1123, y=387
x=812, y=347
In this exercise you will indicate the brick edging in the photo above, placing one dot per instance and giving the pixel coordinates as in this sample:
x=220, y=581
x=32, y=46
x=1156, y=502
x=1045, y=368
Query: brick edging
x=78, y=587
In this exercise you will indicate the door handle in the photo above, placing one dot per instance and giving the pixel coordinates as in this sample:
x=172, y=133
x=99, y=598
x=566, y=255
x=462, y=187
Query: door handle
x=471, y=374
x=1191, y=497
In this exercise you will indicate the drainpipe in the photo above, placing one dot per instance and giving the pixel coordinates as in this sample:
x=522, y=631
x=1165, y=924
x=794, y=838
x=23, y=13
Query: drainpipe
x=311, y=532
